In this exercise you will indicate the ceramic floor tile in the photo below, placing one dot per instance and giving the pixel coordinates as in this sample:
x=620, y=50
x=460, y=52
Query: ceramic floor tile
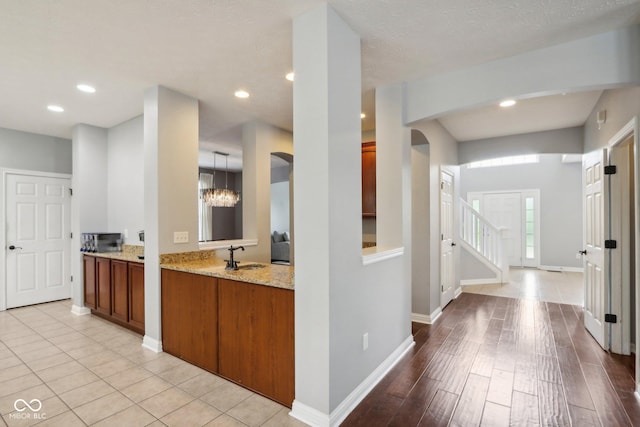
x=73, y=381
x=226, y=396
x=283, y=419
x=82, y=352
x=132, y=416
x=110, y=368
x=255, y=410
x=146, y=388
x=180, y=373
x=103, y=407
x=66, y=419
x=18, y=384
x=165, y=402
x=97, y=359
x=41, y=354
x=202, y=384
x=86, y=393
x=225, y=421
x=49, y=362
x=59, y=371
x=124, y=379
x=9, y=373
x=162, y=363
x=40, y=392
x=8, y=362
x=68, y=338
x=194, y=414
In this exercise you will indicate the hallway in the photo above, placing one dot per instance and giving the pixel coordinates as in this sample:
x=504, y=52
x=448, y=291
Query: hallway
x=497, y=361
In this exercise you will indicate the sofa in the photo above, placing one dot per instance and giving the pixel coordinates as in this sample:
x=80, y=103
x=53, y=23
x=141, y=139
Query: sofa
x=280, y=246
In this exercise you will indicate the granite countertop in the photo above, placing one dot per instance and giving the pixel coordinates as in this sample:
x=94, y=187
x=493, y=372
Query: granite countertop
x=122, y=256
x=278, y=276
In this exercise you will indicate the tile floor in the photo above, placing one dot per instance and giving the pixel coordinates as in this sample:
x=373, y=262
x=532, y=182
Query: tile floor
x=87, y=371
x=537, y=285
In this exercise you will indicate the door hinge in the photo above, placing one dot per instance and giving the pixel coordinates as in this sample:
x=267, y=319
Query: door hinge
x=610, y=170
x=610, y=318
x=72, y=278
x=442, y=185
x=610, y=244
x=70, y=191
x=71, y=235
x=442, y=237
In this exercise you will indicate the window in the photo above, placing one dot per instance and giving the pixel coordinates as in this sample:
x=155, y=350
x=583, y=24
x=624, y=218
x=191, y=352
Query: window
x=505, y=161
x=530, y=212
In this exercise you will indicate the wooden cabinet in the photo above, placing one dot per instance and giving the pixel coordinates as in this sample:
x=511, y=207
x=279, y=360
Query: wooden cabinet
x=114, y=290
x=103, y=286
x=119, y=290
x=89, y=281
x=190, y=318
x=136, y=295
x=256, y=327
x=369, y=179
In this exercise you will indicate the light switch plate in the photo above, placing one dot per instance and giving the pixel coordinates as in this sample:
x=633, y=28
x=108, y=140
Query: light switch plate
x=180, y=237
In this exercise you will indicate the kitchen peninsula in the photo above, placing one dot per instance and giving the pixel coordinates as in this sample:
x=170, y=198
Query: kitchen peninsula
x=238, y=324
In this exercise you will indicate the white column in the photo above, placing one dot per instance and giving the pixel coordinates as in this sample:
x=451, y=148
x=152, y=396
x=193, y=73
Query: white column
x=327, y=193
x=89, y=200
x=170, y=191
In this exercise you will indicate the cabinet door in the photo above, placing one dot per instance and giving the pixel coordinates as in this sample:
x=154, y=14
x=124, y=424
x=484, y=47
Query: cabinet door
x=369, y=179
x=136, y=295
x=256, y=338
x=103, y=285
x=89, y=281
x=119, y=290
x=190, y=318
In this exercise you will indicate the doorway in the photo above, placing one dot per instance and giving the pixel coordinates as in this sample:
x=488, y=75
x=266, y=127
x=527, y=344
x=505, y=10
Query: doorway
x=38, y=238
x=517, y=214
x=281, y=208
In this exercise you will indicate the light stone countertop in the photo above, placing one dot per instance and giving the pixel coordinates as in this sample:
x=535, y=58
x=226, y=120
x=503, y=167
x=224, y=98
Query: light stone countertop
x=277, y=276
x=121, y=256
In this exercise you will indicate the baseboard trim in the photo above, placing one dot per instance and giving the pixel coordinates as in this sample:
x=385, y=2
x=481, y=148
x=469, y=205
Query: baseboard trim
x=426, y=319
x=475, y=282
x=632, y=347
x=561, y=268
x=152, y=344
x=457, y=292
x=79, y=311
x=314, y=417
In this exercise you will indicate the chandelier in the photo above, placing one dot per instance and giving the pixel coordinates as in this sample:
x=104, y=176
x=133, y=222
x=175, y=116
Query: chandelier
x=220, y=197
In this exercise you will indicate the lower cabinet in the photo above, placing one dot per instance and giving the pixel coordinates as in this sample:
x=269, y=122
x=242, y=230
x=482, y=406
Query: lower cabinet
x=114, y=290
x=257, y=338
x=241, y=331
x=190, y=318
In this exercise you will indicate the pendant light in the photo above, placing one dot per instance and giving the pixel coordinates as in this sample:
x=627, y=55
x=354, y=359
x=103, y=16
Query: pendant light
x=220, y=197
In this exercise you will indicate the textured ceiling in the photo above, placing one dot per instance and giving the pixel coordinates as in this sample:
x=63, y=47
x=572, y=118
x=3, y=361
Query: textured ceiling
x=209, y=48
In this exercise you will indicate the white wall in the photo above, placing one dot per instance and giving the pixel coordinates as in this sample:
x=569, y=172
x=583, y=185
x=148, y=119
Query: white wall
x=280, y=207
x=420, y=241
x=31, y=151
x=560, y=187
x=621, y=106
x=125, y=186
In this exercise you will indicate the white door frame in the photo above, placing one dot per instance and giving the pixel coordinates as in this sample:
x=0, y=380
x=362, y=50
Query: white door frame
x=3, y=230
x=628, y=129
x=448, y=295
x=524, y=194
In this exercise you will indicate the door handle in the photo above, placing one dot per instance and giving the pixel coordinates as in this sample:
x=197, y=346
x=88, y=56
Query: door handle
x=453, y=243
x=13, y=248
x=583, y=252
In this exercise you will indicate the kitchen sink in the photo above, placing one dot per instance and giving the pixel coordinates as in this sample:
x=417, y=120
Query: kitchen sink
x=250, y=266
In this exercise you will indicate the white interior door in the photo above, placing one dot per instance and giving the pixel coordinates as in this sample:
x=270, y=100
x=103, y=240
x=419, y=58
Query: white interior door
x=595, y=287
x=38, y=239
x=447, y=259
x=504, y=210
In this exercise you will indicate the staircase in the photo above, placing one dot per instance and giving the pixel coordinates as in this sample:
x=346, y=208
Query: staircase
x=484, y=241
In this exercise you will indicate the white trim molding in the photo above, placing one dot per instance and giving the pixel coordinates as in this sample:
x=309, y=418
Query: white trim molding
x=374, y=254
x=314, y=417
x=427, y=319
x=79, y=311
x=457, y=291
x=152, y=344
x=476, y=282
x=561, y=269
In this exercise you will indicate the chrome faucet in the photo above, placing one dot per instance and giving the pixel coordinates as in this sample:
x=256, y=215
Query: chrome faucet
x=231, y=264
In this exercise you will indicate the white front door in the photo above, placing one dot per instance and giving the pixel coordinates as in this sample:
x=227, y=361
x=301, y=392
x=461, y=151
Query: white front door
x=595, y=288
x=504, y=210
x=38, y=239
x=447, y=259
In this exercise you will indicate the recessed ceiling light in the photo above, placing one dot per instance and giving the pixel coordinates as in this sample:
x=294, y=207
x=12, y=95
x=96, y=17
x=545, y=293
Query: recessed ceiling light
x=290, y=76
x=242, y=94
x=86, y=88
x=363, y=115
x=508, y=103
x=55, y=108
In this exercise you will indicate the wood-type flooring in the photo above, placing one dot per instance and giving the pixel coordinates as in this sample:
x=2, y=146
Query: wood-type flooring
x=495, y=361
